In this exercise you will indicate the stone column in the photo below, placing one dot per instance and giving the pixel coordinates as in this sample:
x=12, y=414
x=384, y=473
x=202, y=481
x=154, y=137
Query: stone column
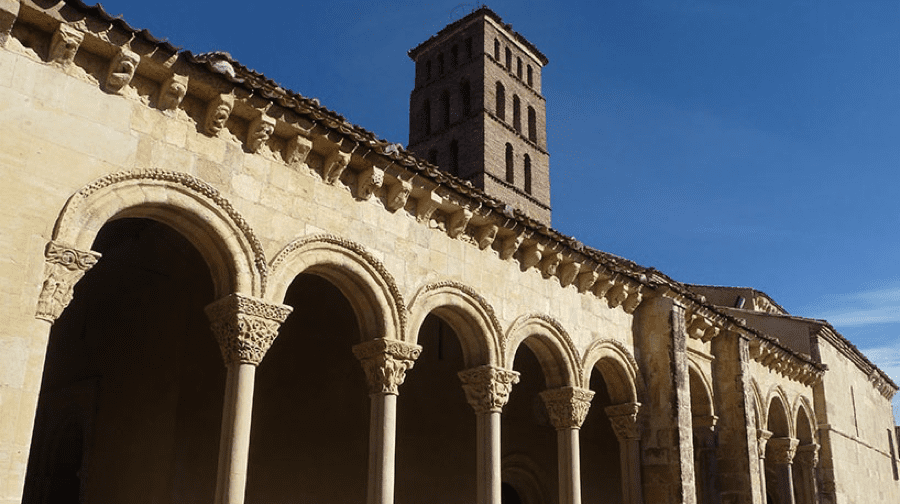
x=762, y=439
x=807, y=460
x=487, y=389
x=63, y=268
x=245, y=328
x=385, y=363
x=623, y=418
x=705, y=443
x=568, y=407
x=781, y=455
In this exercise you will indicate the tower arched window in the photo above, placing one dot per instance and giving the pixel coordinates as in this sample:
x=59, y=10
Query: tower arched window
x=510, y=165
x=445, y=108
x=454, y=158
x=517, y=114
x=532, y=125
x=508, y=60
x=527, y=174
x=530, y=76
x=426, y=117
x=501, y=101
x=496, y=49
x=465, y=92
x=454, y=56
x=469, y=49
x=428, y=70
x=441, y=64
x=519, y=67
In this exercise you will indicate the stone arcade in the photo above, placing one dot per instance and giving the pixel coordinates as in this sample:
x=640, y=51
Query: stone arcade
x=396, y=331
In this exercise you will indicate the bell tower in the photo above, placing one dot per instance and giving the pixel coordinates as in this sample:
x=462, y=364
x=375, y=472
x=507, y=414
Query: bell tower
x=477, y=112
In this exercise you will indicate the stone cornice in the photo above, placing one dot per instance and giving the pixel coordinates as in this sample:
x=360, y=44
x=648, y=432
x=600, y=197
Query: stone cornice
x=878, y=378
x=786, y=363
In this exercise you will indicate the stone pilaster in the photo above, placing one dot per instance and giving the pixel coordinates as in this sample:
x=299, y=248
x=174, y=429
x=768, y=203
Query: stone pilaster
x=385, y=363
x=63, y=268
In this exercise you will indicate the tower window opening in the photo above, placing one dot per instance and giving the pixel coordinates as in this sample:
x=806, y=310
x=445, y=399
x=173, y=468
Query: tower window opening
x=501, y=101
x=519, y=67
x=465, y=91
x=454, y=56
x=496, y=49
x=510, y=165
x=527, y=174
x=530, y=75
x=428, y=70
x=508, y=60
x=445, y=106
x=426, y=117
x=454, y=158
x=532, y=125
x=441, y=64
x=469, y=48
x=517, y=115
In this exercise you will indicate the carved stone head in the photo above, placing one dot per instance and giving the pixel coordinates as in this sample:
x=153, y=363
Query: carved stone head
x=398, y=195
x=172, y=92
x=260, y=130
x=121, y=70
x=297, y=149
x=217, y=114
x=65, y=43
x=370, y=181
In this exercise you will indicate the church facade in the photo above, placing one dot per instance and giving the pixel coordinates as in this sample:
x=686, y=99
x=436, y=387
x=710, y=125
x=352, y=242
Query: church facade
x=218, y=290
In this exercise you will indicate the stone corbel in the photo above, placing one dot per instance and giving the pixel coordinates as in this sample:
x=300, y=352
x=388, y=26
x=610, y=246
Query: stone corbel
x=398, y=195
x=487, y=387
x=617, y=294
x=9, y=12
x=172, y=92
x=624, y=420
x=121, y=70
x=245, y=327
x=697, y=326
x=217, y=113
x=260, y=131
x=457, y=222
x=567, y=273
x=550, y=264
x=426, y=205
x=296, y=150
x=567, y=406
x=63, y=268
x=486, y=235
x=368, y=181
x=385, y=363
x=335, y=164
x=603, y=285
x=531, y=255
x=634, y=298
x=64, y=44
x=586, y=280
x=510, y=246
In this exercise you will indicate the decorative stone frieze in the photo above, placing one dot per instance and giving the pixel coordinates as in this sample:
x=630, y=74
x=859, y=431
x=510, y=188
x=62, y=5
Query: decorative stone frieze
x=386, y=362
x=762, y=438
x=368, y=181
x=550, y=264
x=334, y=167
x=624, y=420
x=881, y=385
x=217, y=114
x=63, y=268
x=397, y=195
x=172, y=92
x=487, y=387
x=121, y=70
x=296, y=150
x=784, y=362
x=808, y=455
x=762, y=303
x=486, y=235
x=259, y=132
x=782, y=450
x=245, y=327
x=64, y=44
x=510, y=246
x=457, y=222
x=426, y=205
x=567, y=406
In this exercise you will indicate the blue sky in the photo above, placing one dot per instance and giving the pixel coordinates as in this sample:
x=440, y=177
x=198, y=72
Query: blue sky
x=722, y=142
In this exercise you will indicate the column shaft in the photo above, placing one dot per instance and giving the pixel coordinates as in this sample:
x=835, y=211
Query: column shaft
x=489, y=479
x=234, y=445
x=569, y=461
x=382, y=448
x=630, y=456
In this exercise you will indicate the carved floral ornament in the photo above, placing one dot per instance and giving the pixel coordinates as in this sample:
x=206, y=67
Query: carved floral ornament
x=624, y=420
x=245, y=327
x=385, y=363
x=567, y=406
x=782, y=450
x=487, y=387
x=63, y=268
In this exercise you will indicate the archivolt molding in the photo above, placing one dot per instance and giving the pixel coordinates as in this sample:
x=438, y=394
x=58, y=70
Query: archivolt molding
x=381, y=282
x=428, y=297
x=803, y=402
x=539, y=324
x=759, y=415
x=609, y=349
x=777, y=391
x=137, y=194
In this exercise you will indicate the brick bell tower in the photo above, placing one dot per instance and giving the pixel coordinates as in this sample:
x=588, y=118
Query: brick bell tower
x=477, y=111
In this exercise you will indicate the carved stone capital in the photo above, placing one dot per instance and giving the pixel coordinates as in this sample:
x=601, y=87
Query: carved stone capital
x=808, y=455
x=762, y=438
x=64, y=44
x=487, y=388
x=63, y=268
x=567, y=406
x=245, y=327
x=386, y=362
x=121, y=70
x=624, y=420
x=782, y=450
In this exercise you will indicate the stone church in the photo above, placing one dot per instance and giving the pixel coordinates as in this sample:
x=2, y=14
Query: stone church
x=217, y=290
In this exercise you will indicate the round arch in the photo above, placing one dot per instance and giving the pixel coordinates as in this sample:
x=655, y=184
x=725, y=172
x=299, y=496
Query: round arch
x=187, y=204
x=466, y=312
x=619, y=369
x=805, y=425
x=550, y=343
x=701, y=390
x=756, y=396
x=363, y=279
x=779, y=419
